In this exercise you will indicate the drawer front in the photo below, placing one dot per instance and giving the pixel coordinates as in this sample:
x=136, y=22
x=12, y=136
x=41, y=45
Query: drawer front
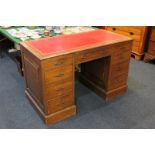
x=59, y=103
x=118, y=81
x=151, y=49
x=119, y=69
x=58, y=74
x=135, y=49
x=86, y=56
x=121, y=53
x=132, y=34
x=136, y=46
x=136, y=43
x=132, y=29
x=57, y=62
x=55, y=90
x=135, y=29
x=142, y=28
x=124, y=56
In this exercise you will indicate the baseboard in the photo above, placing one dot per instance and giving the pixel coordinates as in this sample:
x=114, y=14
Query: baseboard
x=106, y=95
x=55, y=117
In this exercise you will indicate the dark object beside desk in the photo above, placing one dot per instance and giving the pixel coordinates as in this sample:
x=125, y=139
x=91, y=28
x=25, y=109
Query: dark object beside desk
x=7, y=40
x=150, y=54
x=49, y=69
x=3, y=43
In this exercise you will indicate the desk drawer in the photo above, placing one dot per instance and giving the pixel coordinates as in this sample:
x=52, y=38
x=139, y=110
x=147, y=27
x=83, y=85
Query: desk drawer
x=85, y=56
x=119, y=68
x=128, y=32
x=118, y=81
x=128, y=29
x=55, y=90
x=57, y=62
x=58, y=74
x=59, y=103
x=121, y=57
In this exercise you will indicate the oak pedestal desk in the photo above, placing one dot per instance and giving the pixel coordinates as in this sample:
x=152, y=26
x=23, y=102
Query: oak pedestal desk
x=49, y=69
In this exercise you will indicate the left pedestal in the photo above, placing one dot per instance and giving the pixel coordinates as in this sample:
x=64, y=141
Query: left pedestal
x=50, y=85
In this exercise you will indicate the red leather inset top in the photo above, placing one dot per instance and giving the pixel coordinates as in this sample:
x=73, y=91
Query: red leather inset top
x=63, y=43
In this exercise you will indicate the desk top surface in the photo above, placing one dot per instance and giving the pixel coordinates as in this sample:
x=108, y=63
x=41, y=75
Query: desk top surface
x=74, y=42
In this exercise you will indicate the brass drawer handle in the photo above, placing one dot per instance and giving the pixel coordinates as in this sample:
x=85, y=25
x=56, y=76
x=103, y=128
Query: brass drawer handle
x=131, y=33
x=113, y=28
x=60, y=75
x=83, y=57
x=59, y=63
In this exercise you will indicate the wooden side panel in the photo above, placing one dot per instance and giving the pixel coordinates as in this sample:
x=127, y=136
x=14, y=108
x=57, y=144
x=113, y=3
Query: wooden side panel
x=32, y=75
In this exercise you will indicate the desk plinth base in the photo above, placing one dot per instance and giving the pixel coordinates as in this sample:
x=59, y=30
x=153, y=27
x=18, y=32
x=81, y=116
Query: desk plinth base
x=107, y=95
x=55, y=117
